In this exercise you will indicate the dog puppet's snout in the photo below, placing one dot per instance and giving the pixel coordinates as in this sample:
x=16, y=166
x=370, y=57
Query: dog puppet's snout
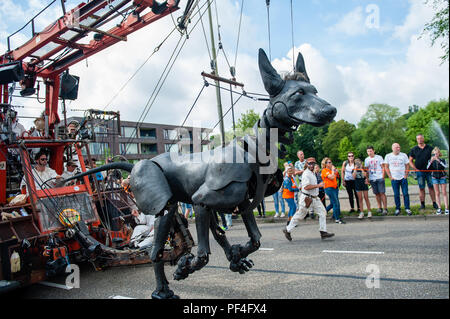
x=327, y=112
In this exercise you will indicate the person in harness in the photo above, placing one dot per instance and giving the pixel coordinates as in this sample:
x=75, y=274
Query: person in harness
x=309, y=198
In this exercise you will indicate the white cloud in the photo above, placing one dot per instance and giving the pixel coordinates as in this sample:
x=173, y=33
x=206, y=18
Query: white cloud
x=419, y=14
x=416, y=79
x=351, y=24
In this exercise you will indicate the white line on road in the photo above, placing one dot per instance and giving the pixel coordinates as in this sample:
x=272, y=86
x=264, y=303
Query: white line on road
x=353, y=252
x=54, y=285
x=268, y=249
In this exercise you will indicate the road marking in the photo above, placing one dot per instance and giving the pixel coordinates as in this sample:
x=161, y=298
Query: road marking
x=54, y=285
x=353, y=252
x=120, y=297
x=267, y=249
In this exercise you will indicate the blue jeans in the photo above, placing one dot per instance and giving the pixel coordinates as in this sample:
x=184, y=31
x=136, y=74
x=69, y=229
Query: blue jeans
x=423, y=177
x=396, y=188
x=333, y=195
x=278, y=199
x=229, y=220
x=292, y=206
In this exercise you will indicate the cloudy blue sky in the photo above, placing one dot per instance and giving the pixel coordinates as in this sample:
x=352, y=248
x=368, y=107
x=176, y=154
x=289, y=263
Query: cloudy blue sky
x=357, y=53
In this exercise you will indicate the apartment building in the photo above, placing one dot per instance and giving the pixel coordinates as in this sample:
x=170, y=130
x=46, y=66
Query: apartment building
x=145, y=140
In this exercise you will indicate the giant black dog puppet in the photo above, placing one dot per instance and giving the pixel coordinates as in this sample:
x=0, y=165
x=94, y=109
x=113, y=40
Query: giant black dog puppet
x=233, y=178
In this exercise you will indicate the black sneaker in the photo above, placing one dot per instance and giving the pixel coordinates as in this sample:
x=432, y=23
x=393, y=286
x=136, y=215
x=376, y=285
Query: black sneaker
x=422, y=206
x=287, y=235
x=339, y=221
x=379, y=211
x=435, y=206
x=324, y=234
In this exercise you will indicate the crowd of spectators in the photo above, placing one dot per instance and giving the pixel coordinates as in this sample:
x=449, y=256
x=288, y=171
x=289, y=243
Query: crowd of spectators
x=358, y=175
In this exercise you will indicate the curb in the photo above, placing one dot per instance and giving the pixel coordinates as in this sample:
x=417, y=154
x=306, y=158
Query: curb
x=272, y=220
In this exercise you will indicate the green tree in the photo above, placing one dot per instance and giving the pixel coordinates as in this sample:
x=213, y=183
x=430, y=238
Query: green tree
x=309, y=139
x=336, y=132
x=247, y=120
x=381, y=126
x=438, y=27
x=422, y=123
x=345, y=146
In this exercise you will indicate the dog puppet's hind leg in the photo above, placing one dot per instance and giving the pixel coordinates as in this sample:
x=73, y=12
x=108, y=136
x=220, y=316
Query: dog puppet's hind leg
x=219, y=236
x=162, y=228
x=190, y=263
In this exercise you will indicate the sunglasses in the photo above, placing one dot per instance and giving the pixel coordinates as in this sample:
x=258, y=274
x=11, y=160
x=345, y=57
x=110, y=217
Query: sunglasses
x=351, y=155
x=329, y=162
x=311, y=163
x=43, y=159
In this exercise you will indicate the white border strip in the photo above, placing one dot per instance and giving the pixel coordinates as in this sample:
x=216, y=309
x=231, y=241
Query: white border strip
x=267, y=249
x=119, y=297
x=353, y=252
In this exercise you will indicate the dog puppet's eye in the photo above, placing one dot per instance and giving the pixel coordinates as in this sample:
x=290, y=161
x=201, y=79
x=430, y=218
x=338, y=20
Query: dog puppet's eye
x=300, y=92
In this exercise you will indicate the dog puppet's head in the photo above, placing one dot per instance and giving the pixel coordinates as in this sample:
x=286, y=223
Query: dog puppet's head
x=293, y=100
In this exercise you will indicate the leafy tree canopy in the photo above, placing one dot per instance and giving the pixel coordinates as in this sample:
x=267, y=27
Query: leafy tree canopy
x=422, y=123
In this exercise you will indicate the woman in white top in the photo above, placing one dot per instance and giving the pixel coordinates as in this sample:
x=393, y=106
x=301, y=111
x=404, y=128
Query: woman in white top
x=349, y=181
x=438, y=167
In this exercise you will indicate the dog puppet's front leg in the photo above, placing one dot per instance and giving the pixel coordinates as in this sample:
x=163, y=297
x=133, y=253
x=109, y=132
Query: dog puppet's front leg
x=190, y=263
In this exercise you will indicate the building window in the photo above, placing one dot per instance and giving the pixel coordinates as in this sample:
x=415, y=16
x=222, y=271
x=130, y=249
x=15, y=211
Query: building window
x=100, y=129
x=128, y=131
x=170, y=134
x=147, y=133
x=171, y=148
x=98, y=148
x=129, y=148
x=149, y=149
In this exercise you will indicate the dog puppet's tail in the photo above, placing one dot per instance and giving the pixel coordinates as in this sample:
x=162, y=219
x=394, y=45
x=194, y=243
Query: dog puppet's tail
x=119, y=165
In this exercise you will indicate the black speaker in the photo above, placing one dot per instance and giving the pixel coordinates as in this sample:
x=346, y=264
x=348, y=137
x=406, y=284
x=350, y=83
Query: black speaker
x=11, y=72
x=68, y=88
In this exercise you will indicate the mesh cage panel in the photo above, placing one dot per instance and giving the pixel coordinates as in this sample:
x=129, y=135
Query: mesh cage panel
x=51, y=207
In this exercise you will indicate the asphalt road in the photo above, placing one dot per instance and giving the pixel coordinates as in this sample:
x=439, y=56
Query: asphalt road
x=410, y=255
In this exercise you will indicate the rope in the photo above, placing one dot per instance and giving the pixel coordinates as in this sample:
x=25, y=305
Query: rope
x=148, y=107
x=204, y=34
x=190, y=110
x=140, y=67
x=268, y=26
x=292, y=34
x=239, y=33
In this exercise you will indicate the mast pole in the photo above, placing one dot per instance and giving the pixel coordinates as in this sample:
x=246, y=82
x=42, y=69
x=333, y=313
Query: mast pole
x=216, y=72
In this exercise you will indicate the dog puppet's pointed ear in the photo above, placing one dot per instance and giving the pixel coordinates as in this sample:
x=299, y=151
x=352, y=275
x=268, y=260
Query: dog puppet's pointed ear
x=271, y=79
x=300, y=66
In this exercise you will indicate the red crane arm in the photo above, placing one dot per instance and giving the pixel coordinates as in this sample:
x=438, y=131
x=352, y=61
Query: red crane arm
x=47, y=50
